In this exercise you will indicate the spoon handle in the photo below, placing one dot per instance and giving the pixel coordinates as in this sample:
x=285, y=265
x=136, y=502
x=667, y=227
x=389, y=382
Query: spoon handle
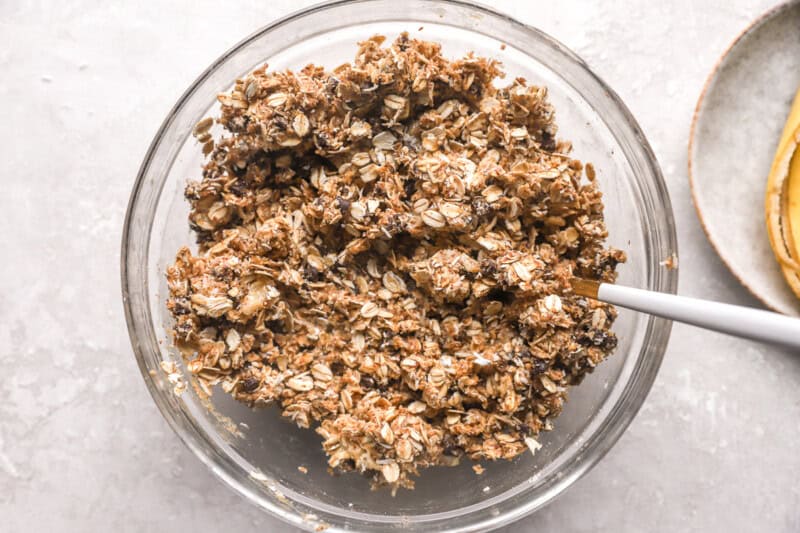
x=736, y=320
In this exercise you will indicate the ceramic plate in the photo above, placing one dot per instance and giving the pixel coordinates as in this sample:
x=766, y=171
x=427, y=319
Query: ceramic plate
x=735, y=131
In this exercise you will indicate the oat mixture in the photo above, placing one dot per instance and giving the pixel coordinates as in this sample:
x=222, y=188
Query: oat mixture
x=385, y=253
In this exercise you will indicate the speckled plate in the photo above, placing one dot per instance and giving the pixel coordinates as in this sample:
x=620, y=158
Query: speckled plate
x=736, y=126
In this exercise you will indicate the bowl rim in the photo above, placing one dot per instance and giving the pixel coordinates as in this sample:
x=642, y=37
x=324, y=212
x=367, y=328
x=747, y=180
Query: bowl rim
x=595, y=447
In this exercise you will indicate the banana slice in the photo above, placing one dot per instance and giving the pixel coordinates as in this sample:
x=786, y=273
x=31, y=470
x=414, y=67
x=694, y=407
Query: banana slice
x=783, y=200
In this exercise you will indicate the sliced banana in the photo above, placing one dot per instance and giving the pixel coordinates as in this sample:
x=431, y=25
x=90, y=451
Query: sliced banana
x=783, y=200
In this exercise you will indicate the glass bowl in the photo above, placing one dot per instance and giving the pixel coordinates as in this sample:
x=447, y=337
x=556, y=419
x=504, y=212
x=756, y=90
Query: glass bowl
x=257, y=452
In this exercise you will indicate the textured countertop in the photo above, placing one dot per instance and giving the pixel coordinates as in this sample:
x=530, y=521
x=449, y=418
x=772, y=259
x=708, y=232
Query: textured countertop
x=85, y=85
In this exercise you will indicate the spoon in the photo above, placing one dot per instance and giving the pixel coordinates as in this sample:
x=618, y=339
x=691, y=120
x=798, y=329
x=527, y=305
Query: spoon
x=736, y=320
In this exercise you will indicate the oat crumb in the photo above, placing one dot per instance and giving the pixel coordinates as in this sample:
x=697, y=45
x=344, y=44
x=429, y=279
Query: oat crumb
x=671, y=262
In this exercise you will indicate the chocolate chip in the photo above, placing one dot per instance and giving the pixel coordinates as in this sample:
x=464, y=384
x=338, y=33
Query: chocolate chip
x=310, y=273
x=410, y=187
x=488, y=268
x=538, y=366
x=343, y=204
x=481, y=207
x=548, y=142
x=250, y=384
x=275, y=325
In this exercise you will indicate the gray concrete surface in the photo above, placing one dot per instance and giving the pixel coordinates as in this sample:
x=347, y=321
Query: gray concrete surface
x=85, y=85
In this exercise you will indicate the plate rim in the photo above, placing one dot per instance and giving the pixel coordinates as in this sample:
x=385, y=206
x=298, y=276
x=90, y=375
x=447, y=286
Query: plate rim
x=756, y=23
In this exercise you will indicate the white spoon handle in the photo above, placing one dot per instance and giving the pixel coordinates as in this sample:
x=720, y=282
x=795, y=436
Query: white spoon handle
x=735, y=320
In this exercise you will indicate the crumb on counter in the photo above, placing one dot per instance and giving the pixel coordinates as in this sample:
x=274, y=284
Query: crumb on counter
x=671, y=262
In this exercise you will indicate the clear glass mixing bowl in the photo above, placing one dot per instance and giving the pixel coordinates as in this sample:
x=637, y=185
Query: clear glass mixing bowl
x=261, y=461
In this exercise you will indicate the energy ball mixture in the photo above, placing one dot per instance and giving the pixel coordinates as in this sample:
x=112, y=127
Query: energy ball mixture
x=385, y=251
